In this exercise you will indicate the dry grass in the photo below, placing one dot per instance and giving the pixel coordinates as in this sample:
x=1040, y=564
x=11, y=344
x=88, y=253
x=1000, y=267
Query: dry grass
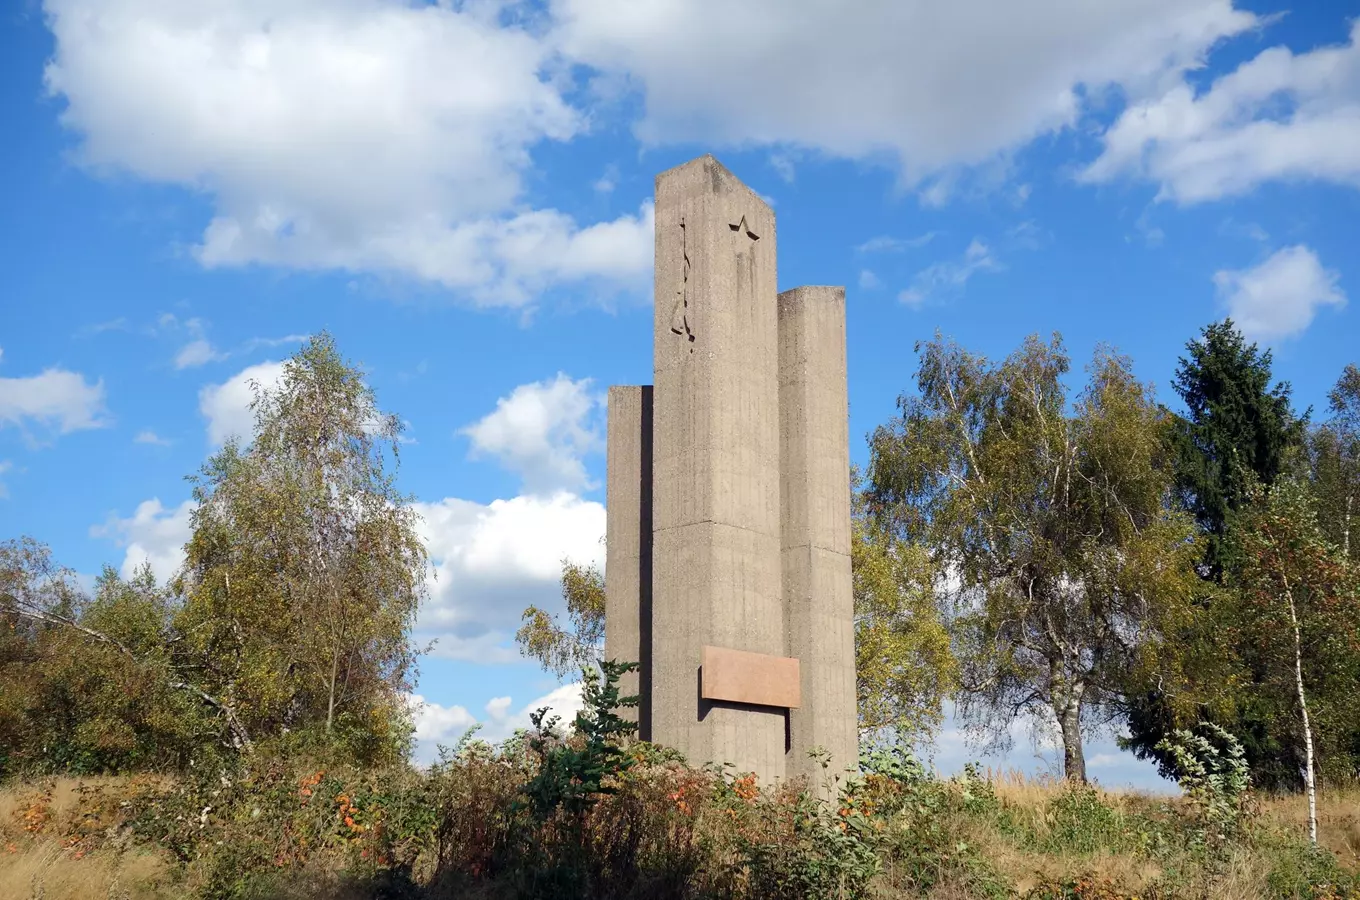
x=55, y=846
x=1027, y=800
x=1338, y=810
x=44, y=869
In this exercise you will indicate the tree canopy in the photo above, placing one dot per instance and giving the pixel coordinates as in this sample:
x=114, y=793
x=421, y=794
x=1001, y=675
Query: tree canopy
x=567, y=648
x=1053, y=522
x=1238, y=429
x=290, y=620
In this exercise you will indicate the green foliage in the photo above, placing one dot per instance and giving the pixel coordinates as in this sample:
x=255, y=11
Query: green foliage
x=1084, y=887
x=1079, y=822
x=1239, y=434
x=821, y=853
x=1070, y=565
x=1334, y=455
x=1238, y=431
x=304, y=569
x=1214, y=775
x=1287, y=575
x=87, y=684
x=904, y=667
x=279, y=828
x=572, y=775
x=289, y=625
x=1303, y=870
x=566, y=649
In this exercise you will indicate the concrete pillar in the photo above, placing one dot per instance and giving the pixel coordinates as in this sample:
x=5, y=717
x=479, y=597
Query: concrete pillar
x=628, y=543
x=716, y=542
x=815, y=495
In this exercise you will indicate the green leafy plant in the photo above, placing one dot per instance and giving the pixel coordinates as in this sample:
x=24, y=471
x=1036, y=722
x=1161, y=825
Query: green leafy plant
x=1212, y=771
x=572, y=775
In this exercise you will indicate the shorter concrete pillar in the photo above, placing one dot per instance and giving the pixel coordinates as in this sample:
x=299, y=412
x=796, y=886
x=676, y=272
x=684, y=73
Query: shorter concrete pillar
x=815, y=494
x=628, y=543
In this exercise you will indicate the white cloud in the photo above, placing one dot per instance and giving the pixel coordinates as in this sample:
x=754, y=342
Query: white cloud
x=950, y=275
x=226, y=406
x=541, y=431
x=606, y=183
x=868, y=280
x=363, y=135
x=888, y=244
x=436, y=724
x=1279, y=297
x=147, y=436
x=151, y=534
x=5, y=466
x=1278, y=116
x=783, y=166
x=198, y=352
x=57, y=398
x=488, y=562
x=491, y=561
x=934, y=85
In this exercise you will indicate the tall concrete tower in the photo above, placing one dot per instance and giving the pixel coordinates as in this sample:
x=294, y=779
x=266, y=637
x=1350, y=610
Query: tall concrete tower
x=728, y=550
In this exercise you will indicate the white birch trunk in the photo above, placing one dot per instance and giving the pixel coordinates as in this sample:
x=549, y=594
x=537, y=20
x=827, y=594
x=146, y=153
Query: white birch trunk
x=1309, y=780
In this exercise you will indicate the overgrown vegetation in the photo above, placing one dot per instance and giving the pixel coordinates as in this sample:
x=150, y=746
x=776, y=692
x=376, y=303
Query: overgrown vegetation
x=593, y=814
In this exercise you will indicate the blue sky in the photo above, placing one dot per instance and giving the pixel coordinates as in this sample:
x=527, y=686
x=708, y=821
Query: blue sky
x=460, y=193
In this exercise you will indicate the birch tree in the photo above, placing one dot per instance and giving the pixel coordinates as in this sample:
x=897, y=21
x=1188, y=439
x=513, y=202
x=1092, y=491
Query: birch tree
x=565, y=649
x=305, y=570
x=1298, y=621
x=1055, y=521
x=904, y=667
x=1335, y=452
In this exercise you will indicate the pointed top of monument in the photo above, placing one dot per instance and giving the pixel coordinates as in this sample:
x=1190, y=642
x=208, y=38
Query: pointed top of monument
x=703, y=173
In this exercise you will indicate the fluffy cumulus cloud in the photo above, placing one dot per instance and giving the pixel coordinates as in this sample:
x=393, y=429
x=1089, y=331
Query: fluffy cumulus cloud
x=1279, y=297
x=541, y=431
x=437, y=724
x=1278, y=116
x=933, y=85
x=387, y=136
x=226, y=406
x=152, y=534
x=490, y=561
x=362, y=135
x=55, y=400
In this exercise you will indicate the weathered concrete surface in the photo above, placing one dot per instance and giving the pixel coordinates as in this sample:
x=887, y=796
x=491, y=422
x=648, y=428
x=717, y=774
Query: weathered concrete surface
x=628, y=550
x=815, y=498
x=716, y=577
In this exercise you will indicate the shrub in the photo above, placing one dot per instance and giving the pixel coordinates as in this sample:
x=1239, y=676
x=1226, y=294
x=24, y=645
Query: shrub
x=1212, y=771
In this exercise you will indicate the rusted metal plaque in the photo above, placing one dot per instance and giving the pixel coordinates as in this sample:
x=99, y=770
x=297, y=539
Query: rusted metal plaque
x=738, y=676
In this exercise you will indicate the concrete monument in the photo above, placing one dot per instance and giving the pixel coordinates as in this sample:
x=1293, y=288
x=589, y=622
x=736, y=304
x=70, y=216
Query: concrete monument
x=727, y=567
